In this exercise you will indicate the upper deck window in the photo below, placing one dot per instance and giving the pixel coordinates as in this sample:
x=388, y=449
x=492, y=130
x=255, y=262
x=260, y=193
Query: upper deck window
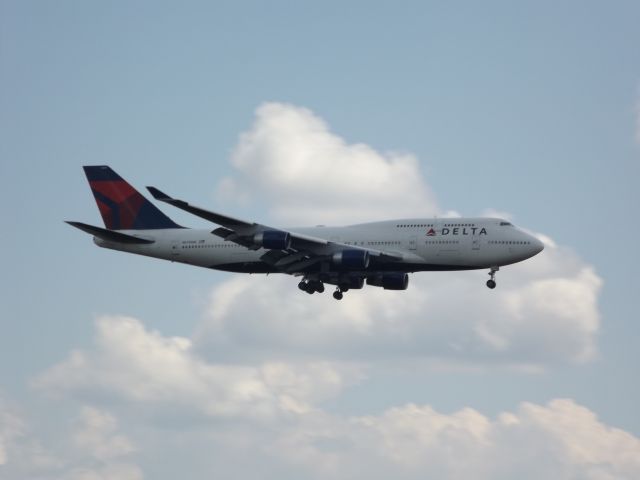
x=506, y=224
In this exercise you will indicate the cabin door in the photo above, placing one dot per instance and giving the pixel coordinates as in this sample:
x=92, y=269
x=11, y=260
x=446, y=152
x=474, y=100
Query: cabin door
x=475, y=243
x=175, y=248
x=413, y=242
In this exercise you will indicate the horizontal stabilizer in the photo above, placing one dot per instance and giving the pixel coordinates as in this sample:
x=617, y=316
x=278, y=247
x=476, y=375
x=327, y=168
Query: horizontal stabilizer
x=109, y=235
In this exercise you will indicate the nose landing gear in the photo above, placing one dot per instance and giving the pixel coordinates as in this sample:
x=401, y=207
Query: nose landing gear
x=337, y=294
x=491, y=283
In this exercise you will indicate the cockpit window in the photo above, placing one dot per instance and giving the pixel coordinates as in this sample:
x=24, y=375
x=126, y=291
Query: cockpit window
x=506, y=224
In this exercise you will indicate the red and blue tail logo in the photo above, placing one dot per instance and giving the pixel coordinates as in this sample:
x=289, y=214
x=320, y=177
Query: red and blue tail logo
x=122, y=207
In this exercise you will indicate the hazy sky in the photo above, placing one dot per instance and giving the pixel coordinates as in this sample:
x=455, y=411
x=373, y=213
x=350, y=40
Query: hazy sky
x=293, y=113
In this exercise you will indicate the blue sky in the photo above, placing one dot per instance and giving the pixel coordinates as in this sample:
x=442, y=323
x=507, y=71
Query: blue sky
x=529, y=108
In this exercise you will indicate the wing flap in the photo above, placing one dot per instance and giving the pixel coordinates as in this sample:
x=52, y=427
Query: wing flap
x=301, y=265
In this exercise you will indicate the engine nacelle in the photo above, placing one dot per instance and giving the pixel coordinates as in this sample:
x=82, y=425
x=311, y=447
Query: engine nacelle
x=273, y=239
x=351, y=259
x=390, y=281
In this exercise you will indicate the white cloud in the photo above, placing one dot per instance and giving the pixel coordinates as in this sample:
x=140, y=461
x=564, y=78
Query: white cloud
x=97, y=434
x=143, y=366
x=544, y=311
x=94, y=450
x=11, y=428
x=99, y=449
x=561, y=440
x=22, y=455
x=291, y=160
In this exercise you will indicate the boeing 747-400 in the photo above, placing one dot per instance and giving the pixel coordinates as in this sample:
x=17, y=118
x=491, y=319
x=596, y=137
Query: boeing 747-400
x=381, y=254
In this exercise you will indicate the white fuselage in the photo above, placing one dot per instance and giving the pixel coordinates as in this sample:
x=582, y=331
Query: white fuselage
x=423, y=244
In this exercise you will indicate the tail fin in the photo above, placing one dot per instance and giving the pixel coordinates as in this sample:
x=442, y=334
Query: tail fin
x=122, y=207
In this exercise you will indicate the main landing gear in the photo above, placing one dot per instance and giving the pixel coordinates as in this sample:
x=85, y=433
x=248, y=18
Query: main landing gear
x=491, y=283
x=311, y=286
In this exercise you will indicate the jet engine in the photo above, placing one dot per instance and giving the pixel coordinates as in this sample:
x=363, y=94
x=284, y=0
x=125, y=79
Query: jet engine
x=351, y=259
x=273, y=239
x=390, y=281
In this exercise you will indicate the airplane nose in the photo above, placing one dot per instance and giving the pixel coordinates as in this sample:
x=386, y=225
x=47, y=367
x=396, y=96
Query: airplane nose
x=537, y=245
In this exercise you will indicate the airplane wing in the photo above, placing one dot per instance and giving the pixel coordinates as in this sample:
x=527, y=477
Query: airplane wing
x=300, y=252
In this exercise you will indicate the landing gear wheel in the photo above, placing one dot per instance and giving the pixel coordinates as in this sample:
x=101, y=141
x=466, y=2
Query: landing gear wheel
x=491, y=283
x=337, y=295
x=311, y=286
x=306, y=286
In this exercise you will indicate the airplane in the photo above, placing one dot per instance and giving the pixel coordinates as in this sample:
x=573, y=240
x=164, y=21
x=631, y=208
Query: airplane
x=380, y=254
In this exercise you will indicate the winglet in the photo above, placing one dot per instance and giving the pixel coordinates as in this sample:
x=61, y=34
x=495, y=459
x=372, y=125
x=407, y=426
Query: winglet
x=158, y=195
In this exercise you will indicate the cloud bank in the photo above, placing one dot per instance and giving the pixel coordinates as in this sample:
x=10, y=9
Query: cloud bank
x=560, y=440
x=278, y=413
x=92, y=448
x=139, y=366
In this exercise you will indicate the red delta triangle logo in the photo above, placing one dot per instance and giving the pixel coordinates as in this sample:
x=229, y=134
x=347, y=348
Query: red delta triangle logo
x=431, y=232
